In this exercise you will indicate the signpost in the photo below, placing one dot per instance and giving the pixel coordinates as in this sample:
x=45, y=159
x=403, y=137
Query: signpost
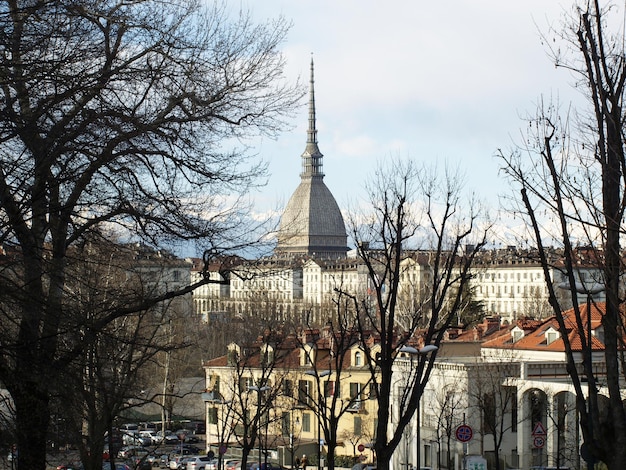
x=539, y=435
x=539, y=429
x=464, y=433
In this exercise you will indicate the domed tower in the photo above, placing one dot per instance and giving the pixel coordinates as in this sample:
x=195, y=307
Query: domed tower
x=312, y=223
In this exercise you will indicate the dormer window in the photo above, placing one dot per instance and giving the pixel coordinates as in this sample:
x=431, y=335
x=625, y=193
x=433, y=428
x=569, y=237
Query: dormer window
x=267, y=353
x=551, y=335
x=516, y=334
x=233, y=355
x=358, y=359
x=307, y=355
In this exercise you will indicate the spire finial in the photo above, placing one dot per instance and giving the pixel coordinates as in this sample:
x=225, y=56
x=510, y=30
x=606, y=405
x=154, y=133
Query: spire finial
x=312, y=157
x=312, y=131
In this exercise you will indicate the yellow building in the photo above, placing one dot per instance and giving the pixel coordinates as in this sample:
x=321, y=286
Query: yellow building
x=302, y=389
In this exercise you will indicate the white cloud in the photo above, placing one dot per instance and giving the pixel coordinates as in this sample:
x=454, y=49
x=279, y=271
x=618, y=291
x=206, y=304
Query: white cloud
x=430, y=80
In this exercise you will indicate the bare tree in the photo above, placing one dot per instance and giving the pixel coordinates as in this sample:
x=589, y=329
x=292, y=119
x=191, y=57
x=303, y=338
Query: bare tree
x=116, y=117
x=495, y=402
x=329, y=357
x=253, y=385
x=445, y=244
x=570, y=171
x=450, y=408
x=108, y=378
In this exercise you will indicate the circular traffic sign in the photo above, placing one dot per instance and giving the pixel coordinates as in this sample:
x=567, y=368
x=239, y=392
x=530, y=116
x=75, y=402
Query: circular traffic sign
x=464, y=433
x=361, y=448
x=539, y=442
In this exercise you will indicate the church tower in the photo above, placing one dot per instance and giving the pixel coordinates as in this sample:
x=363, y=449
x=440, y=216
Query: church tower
x=312, y=223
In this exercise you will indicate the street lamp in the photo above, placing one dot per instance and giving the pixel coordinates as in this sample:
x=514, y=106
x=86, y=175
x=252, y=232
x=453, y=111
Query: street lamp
x=292, y=436
x=318, y=375
x=429, y=348
x=182, y=435
x=259, y=391
x=589, y=291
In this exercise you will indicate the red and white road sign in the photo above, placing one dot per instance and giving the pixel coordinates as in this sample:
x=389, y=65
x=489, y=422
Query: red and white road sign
x=539, y=430
x=539, y=442
x=464, y=433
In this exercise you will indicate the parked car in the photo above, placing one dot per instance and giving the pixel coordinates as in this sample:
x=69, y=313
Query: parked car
x=150, y=436
x=142, y=463
x=178, y=461
x=270, y=466
x=118, y=466
x=232, y=464
x=168, y=438
x=191, y=449
x=174, y=462
x=249, y=465
x=129, y=427
x=157, y=460
x=189, y=436
x=192, y=439
x=211, y=465
x=197, y=462
x=548, y=468
x=199, y=428
x=127, y=452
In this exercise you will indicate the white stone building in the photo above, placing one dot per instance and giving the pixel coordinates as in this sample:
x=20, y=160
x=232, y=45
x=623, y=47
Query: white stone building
x=519, y=375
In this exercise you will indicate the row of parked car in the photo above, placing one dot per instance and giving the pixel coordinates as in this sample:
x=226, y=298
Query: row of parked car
x=201, y=462
x=147, y=438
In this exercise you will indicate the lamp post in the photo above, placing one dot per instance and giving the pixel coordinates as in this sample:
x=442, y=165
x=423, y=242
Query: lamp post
x=429, y=348
x=292, y=436
x=182, y=435
x=589, y=291
x=259, y=391
x=318, y=375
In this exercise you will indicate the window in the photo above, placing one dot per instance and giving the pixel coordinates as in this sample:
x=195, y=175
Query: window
x=551, y=336
x=286, y=423
x=213, y=415
x=304, y=392
x=489, y=413
x=233, y=357
x=306, y=422
x=358, y=426
x=214, y=384
x=330, y=388
x=358, y=359
x=372, y=391
x=512, y=391
x=355, y=390
x=288, y=388
x=268, y=355
x=245, y=383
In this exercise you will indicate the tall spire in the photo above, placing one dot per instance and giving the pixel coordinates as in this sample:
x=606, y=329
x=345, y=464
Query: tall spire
x=312, y=157
x=312, y=223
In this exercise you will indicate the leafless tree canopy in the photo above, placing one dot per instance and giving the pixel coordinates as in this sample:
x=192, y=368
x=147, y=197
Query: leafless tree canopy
x=416, y=218
x=570, y=171
x=118, y=118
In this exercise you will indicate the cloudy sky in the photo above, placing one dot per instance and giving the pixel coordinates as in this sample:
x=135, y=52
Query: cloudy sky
x=444, y=82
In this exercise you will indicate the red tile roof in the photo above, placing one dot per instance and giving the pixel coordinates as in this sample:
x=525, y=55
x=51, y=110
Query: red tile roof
x=535, y=337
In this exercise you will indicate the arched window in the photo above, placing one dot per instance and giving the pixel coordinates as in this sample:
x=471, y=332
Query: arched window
x=358, y=358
